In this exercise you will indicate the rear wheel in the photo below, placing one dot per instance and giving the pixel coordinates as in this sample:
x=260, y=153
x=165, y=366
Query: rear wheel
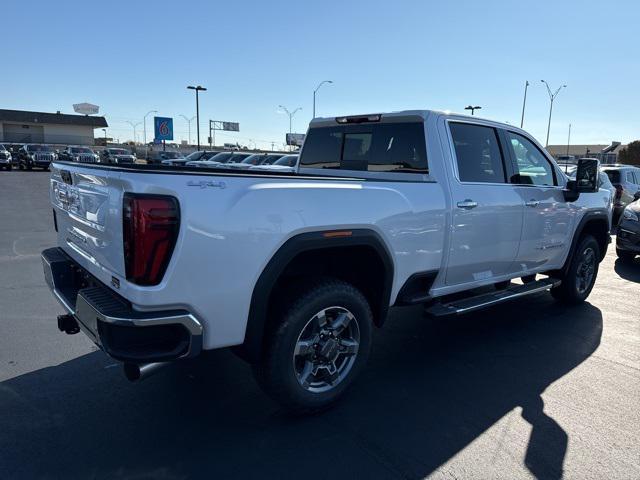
x=318, y=348
x=578, y=282
x=625, y=256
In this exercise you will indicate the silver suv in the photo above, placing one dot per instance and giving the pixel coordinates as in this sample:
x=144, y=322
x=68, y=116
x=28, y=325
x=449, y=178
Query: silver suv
x=626, y=180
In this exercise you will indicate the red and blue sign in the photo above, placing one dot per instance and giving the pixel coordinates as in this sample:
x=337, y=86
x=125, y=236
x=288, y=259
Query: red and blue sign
x=163, y=127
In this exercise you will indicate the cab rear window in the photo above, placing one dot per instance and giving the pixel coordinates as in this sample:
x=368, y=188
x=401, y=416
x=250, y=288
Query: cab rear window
x=391, y=147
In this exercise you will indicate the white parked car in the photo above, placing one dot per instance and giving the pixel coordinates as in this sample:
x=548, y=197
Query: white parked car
x=296, y=270
x=286, y=163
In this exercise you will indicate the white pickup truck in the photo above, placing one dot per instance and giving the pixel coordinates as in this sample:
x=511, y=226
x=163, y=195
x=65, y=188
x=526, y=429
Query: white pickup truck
x=157, y=263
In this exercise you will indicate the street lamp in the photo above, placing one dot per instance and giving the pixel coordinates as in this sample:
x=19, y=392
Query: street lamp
x=144, y=130
x=291, y=114
x=134, y=125
x=197, y=89
x=472, y=108
x=105, y=136
x=314, y=95
x=188, y=120
x=552, y=97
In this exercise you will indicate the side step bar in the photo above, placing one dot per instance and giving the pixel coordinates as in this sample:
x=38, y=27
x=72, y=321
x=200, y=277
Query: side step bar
x=465, y=305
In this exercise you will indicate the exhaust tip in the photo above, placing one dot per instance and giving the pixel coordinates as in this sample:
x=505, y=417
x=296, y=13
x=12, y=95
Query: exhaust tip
x=132, y=372
x=136, y=372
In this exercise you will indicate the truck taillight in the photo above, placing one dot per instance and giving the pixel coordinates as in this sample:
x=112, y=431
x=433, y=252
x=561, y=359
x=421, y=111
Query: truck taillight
x=150, y=230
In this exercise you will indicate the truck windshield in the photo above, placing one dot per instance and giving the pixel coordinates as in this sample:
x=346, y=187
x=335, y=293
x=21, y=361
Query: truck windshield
x=80, y=150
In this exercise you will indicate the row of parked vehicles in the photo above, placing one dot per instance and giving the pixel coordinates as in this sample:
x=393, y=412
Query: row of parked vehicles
x=30, y=156
x=34, y=155
x=280, y=162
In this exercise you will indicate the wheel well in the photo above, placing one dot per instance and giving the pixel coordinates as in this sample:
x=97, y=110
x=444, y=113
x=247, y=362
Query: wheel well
x=360, y=258
x=358, y=265
x=599, y=229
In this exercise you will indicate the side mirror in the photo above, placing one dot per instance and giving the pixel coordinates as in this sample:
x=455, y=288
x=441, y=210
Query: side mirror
x=586, y=179
x=587, y=175
x=636, y=196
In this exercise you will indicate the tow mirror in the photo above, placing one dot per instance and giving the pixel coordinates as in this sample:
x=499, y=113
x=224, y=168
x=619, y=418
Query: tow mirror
x=586, y=179
x=587, y=175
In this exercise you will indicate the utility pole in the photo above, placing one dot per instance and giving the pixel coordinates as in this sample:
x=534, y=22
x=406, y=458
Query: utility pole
x=197, y=89
x=524, y=102
x=552, y=97
x=569, y=140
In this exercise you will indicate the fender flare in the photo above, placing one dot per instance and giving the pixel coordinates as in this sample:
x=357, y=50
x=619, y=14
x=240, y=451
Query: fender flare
x=590, y=217
x=251, y=348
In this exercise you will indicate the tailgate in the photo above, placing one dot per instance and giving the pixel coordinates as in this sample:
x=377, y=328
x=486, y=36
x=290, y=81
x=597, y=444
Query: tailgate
x=88, y=208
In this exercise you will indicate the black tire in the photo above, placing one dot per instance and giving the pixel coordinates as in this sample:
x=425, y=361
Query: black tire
x=20, y=166
x=29, y=167
x=573, y=290
x=625, y=256
x=9, y=168
x=276, y=373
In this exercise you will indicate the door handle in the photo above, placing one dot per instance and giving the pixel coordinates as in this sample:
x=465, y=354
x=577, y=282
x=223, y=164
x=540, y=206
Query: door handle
x=532, y=203
x=467, y=204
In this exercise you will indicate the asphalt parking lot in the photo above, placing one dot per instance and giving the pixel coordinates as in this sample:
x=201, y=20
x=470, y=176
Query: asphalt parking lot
x=525, y=390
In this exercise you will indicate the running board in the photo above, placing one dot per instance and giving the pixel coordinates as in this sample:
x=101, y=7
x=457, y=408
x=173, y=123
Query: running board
x=465, y=305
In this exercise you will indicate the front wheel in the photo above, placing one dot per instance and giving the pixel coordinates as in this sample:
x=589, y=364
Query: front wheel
x=318, y=348
x=578, y=282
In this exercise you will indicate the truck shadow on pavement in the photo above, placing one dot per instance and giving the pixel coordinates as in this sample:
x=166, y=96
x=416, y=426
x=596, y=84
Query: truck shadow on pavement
x=628, y=270
x=430, y=389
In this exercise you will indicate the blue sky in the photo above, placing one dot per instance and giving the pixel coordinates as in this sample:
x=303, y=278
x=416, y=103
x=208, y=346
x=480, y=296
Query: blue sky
x=132, y=57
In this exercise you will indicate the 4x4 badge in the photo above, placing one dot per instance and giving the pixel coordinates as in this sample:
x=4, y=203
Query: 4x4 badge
x=206, y=183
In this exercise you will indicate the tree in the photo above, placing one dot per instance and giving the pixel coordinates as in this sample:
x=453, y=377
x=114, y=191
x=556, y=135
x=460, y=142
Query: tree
x=630, y=154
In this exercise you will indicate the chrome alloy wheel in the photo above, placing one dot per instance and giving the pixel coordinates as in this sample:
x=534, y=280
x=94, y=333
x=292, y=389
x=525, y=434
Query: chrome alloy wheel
x=326, y=349
x=586, y=270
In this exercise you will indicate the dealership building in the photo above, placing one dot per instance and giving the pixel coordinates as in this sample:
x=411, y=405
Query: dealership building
x=604, y=153
x=19, y=126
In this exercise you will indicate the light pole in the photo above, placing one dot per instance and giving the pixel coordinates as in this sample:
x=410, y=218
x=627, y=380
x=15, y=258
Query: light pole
x=552, y=97
x=188, y=120
x=524, y=102
x=291, y=114
x=472, y=108
x=105, y=136
x=134, y=125
x=144, y=130
x=198, y=89
x=314, y=95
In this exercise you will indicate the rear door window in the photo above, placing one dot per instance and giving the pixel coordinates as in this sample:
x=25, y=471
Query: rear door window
x=393, y=147
x=478, y=153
